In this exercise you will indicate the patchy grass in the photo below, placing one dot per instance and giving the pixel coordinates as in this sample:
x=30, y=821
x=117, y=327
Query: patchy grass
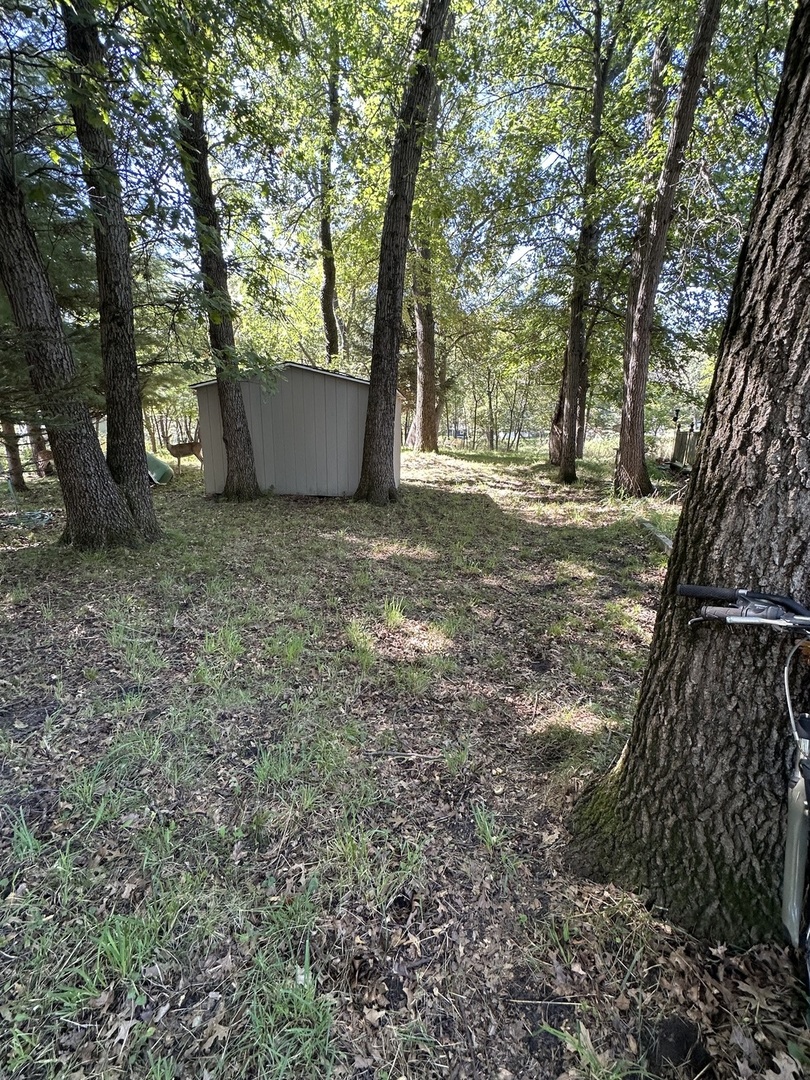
x=284, y=795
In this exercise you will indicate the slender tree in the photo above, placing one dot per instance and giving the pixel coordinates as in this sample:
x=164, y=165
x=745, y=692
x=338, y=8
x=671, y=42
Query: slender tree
x=240, y=482
x=563, y=446
x=326, y=195
x=693, y=814
x=377, y=484
x=424, y=432
x=631, y=476
x=88, y=78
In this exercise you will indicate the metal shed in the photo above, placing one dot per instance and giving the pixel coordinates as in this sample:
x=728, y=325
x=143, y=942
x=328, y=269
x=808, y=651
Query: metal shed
x=307, y=433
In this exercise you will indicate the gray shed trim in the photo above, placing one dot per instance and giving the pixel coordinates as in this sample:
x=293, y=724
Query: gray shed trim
x=307, y=434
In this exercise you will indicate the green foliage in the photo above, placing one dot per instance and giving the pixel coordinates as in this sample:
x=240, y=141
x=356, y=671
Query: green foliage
x=498, y=199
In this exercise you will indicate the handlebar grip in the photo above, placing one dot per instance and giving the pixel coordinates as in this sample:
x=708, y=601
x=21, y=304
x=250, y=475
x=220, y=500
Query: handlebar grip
x=721, y=613
x=749, y=610
x=707, y=592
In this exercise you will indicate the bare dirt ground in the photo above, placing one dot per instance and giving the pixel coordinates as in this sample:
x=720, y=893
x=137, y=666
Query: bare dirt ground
x=286, y=795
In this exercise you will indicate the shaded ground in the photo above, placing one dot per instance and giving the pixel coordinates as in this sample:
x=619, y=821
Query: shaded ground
x=285, y=796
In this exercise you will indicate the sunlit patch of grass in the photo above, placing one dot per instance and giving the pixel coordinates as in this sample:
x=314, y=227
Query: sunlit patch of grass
x=393, y=612
x=361, y=644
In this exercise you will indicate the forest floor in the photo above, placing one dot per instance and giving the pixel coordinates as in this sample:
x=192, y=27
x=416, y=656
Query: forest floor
x=285, y=796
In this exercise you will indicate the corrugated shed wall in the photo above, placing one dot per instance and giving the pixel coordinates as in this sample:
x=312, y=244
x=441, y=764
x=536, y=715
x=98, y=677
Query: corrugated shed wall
x=307, y=435
x=213, y=447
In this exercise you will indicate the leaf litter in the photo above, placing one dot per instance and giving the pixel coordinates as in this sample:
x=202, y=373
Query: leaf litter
x=257, y=822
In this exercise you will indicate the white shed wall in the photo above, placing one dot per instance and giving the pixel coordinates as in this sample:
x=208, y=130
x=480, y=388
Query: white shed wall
x=307, y=436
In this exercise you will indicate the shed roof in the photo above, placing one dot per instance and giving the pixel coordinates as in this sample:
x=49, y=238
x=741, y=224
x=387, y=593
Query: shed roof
x=302, y=367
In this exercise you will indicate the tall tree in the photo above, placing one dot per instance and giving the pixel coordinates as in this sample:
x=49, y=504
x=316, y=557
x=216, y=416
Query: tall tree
x=424, y=432
x=326, y=195
x=693, y=814
x=377, y=484
x=574, y=378
x=240, y=481
x=88, y=79
x=96, y=512
x=631, y=476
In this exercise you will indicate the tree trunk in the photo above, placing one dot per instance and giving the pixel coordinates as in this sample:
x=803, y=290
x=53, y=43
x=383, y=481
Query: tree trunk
x=442, y=386
x=96, y=514
x=490, y=411
x=11, y=441
x=426, y=417
x=240, y=479
x=329, y=287
x=582, y=401
x=632, y=477
x=556, y=431
x=377, y=483
x=87, y=76
x=150, y=430
x=694, y=813
x=603, y=47
x=426, y=414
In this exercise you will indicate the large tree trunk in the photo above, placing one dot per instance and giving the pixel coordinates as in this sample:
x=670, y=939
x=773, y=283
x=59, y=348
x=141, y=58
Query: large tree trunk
x=563, y=443
x=87, y=75
x=377, y=483
x=11, y=441
x=425, y=430
x=96, y=514
x=240, y=479
x=329, y=287
x=694, y=813
x=632, y=477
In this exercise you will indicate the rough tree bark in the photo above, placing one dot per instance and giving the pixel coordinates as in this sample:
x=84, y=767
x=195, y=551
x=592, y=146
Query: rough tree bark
x=377, y=483
x=240, y=480
x=87, y=76
x=329, y=287
x=11, y=441
x=632, y=477
x=563, y=439
x=96, y=513
x=424, y=433
x=693, y=815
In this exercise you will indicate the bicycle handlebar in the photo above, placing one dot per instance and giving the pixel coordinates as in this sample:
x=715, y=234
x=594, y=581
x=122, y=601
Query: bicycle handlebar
x=751, y=612
x=721, y=613
x=707, y=592
x=752, y=604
